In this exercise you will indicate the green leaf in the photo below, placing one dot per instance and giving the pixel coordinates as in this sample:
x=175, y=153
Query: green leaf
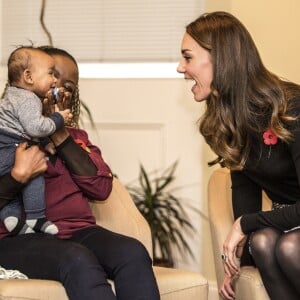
x=164, y=211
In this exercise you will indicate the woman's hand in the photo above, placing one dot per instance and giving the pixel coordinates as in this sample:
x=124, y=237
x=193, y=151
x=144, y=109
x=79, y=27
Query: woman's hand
x=29, y=162
x=61, y=104
x=48, y=104
x=234, y=239
x=64, y=99
x=226, y=290
x=51, y=105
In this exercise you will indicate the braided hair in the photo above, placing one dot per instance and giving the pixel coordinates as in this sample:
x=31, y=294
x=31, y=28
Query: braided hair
x=75, y=100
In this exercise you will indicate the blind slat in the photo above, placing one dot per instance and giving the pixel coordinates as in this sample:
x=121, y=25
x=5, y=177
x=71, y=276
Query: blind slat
x=101, y=30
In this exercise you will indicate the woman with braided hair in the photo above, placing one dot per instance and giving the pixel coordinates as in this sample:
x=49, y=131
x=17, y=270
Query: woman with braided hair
x=83, y=255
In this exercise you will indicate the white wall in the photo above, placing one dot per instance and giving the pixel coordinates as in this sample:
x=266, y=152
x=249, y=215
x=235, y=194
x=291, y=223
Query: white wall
x=274, y=25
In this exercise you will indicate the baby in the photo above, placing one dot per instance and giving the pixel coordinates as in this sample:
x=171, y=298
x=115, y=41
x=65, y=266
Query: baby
x=30, y=78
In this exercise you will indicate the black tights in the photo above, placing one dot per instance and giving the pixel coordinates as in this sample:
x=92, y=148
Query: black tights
x=277, y=256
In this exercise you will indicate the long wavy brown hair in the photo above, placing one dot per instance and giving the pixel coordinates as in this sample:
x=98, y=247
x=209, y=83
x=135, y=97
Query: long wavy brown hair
x=246, y=99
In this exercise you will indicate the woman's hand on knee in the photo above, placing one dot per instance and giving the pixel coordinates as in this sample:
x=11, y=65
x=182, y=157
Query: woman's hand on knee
x=29, y=162
x=230, y=248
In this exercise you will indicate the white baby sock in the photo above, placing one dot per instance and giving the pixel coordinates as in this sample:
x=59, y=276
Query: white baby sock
x=42, y=225
x=16, y=226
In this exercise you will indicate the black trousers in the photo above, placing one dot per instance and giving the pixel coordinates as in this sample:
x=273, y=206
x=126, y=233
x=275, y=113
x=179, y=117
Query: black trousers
x=84, y=263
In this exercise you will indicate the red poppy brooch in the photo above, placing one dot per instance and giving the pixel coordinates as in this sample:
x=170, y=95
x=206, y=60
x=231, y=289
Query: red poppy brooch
x=270, y=137
x=83, y=145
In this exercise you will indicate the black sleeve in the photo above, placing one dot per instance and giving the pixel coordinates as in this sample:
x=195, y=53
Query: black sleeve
x=283, y=219
x=246, y=194
x=76, y=159
x=247, y=202
x=9, y=189
x=246, y=198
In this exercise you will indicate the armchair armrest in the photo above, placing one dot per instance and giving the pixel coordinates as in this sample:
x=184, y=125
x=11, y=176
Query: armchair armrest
x=119, y=214
x=248, y=284
x=220, y=215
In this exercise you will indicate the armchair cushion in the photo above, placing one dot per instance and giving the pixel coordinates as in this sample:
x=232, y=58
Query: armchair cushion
x=254, y=290
x=118, y=213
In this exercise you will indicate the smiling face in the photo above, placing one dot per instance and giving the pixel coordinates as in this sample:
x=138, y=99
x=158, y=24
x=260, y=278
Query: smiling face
x=42, y=73
x=196, y=65
x=31, y=69
x=66, y=73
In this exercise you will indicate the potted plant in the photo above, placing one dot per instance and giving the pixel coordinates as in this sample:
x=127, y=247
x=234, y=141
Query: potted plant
x=164, y=212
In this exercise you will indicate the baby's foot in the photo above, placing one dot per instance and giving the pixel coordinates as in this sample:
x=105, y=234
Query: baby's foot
x=42, y=225
x=16, y=226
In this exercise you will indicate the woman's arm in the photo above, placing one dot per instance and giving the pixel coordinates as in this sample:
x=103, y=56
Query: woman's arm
x=246, y=194
x=77, y=160
x=29, y=162
x=86, y=165
x=84, y=161
x=9, y=188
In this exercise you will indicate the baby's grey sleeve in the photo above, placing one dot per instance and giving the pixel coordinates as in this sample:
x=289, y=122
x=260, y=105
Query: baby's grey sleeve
x=32, y=120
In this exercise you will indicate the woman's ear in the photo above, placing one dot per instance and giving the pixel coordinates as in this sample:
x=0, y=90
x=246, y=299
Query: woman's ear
x=27, y=77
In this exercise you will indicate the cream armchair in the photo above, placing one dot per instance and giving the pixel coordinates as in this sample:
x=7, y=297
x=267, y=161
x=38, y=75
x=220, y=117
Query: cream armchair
x=248, y=285
x=117, y=213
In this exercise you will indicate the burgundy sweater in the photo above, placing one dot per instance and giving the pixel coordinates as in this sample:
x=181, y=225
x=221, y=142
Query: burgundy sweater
x=67, y=193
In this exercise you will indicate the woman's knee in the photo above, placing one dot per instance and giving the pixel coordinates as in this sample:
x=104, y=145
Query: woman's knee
x=263, y=241
x=288, y=248
x=77, y=258
x=134, y=250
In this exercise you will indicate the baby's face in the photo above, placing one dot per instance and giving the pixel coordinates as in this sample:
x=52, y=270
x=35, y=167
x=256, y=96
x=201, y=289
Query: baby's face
x=42, y=72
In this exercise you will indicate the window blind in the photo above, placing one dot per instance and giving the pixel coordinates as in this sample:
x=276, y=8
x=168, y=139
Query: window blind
x=101, y=30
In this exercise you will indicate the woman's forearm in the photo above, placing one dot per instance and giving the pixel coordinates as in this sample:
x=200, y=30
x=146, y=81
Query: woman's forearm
x=9, y=189
x=29, y=162
x=59, y=136
x=76, y=159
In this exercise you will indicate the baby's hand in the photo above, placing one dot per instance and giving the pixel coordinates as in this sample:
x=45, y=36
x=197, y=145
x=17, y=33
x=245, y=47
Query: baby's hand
x=66, y=114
